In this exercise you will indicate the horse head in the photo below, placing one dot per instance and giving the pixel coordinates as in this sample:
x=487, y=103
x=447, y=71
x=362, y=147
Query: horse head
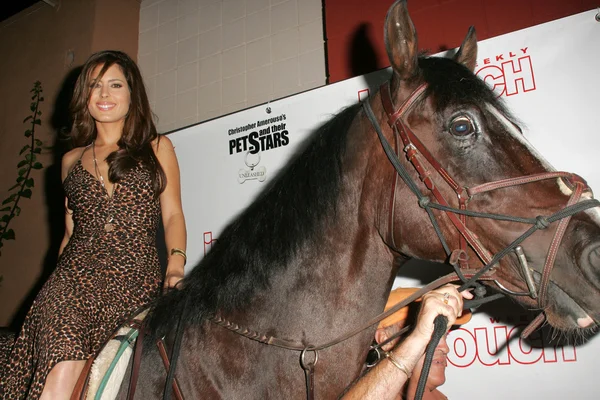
x=497, y=206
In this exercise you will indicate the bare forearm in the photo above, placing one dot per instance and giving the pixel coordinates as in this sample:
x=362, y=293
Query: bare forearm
x=175, y=238
x=385, y=380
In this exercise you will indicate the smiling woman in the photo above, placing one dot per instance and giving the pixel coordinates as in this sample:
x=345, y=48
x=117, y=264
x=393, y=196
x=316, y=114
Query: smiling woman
x=120, y=180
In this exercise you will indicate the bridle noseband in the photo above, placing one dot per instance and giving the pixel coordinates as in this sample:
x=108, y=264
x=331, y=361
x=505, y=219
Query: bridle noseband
x=416, y=152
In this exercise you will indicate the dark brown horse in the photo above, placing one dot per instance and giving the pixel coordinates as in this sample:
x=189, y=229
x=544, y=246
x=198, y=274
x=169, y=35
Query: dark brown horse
x=316, y=254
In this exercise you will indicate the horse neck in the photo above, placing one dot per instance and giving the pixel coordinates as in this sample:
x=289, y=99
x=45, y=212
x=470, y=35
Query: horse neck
x=340, y=280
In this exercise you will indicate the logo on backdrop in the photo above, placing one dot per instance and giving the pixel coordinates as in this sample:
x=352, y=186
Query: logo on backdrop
x=208, y=241
x=262, y=135
x=500, y=345
x=252, y=160
x=508, y=73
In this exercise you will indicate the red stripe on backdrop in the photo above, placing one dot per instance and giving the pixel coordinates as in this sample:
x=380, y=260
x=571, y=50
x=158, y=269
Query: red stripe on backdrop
x=354, y=28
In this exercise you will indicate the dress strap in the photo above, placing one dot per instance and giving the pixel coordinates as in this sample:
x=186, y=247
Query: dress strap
x=84, y=150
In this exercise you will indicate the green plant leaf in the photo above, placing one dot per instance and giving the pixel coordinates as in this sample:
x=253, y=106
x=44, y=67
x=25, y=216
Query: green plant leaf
x=9, y=199
x=24, y=183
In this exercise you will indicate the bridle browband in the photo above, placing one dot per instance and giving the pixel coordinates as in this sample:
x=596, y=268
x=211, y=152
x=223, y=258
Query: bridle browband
x=416, y=151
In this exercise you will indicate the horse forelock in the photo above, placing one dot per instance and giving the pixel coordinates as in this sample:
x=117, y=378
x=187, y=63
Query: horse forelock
x=451, y=83
x=262, y=240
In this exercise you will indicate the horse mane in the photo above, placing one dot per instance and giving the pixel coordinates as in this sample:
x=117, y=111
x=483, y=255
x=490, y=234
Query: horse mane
x=261, y=241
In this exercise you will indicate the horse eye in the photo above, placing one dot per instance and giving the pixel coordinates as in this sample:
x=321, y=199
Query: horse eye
x=461, y=126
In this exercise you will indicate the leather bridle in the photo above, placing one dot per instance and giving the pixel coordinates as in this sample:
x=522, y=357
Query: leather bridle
x=416, y=152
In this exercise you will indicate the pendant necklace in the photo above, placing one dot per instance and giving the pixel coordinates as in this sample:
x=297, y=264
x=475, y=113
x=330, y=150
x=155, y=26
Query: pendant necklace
x=109, y=226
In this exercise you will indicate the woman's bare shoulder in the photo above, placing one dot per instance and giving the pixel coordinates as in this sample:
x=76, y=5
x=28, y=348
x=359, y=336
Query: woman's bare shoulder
x=162, y=142
x=69, y=159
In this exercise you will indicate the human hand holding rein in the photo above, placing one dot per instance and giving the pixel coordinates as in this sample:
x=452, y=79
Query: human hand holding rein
x=446, y=301
x=172, y=279
x=175, y=270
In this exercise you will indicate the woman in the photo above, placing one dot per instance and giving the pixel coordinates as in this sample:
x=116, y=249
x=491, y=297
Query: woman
x=119, y=180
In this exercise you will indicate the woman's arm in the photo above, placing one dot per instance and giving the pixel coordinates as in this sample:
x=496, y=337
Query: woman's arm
x=172, y=211
x=385, y=380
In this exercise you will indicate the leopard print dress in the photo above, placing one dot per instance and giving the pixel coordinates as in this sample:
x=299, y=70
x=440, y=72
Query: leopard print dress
x=102, y=276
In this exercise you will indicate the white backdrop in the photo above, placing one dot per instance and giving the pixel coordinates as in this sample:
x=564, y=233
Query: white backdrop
x=546, y=75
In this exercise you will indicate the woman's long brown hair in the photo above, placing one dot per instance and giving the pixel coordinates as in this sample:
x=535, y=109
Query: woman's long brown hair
x=139, y=130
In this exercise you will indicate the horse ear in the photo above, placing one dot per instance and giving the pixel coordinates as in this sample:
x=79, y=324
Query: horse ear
x=400, y=39
x=467, y=53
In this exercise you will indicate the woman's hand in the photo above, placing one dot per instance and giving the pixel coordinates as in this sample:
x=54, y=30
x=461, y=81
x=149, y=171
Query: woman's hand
x=172, y=279
x=446, y=301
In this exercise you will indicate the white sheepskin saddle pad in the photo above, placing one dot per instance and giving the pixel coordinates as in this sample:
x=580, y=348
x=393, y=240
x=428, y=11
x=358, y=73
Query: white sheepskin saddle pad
x=108, y=369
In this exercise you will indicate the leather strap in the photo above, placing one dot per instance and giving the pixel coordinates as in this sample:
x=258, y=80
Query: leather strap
x=165, y=358
x=137, y=357
x=300, y=346
x=81, y=387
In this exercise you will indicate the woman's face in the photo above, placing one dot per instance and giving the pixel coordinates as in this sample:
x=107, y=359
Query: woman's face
x=110, y=97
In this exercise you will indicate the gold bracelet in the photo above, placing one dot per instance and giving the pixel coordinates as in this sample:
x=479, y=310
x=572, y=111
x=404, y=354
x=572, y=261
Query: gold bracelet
x=399, y=364
x=179, y=252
